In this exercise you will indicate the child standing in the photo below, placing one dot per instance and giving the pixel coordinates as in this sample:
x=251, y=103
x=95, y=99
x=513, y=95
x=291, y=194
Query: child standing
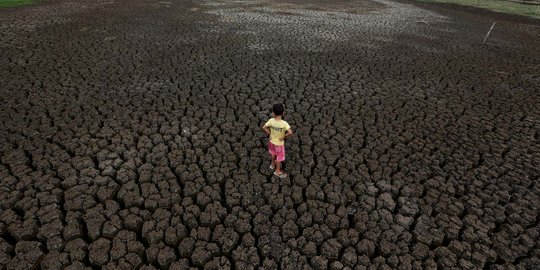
x=278, y=130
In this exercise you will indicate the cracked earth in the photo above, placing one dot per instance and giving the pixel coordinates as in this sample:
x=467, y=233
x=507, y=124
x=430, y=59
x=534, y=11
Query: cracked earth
x=130, y=136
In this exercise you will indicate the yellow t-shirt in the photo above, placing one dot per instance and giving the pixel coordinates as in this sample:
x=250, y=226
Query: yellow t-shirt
x=277, y=130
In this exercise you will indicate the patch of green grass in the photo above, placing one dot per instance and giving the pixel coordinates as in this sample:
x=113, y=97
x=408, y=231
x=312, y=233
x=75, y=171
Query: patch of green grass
x=529, y=8
x=14, y=3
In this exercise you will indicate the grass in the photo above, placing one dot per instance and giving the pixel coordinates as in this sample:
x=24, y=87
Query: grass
x=518, y=7
x=14, y=3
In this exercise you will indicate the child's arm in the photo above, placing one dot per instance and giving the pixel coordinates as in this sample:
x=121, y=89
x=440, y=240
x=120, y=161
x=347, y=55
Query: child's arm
x=265, y=129
x=288, y=134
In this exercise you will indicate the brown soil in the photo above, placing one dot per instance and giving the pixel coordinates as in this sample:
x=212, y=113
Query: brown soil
x=129, y=136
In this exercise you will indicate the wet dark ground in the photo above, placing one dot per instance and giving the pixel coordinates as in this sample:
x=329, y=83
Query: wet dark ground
x=129, y=136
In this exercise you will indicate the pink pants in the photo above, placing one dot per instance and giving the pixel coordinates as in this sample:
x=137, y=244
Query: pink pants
x=277, y=150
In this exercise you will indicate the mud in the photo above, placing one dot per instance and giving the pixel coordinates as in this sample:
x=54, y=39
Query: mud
x=129, y=136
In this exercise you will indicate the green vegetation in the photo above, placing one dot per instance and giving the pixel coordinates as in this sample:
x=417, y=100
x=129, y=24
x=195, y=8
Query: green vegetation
x=13, y=3
x=529, y=8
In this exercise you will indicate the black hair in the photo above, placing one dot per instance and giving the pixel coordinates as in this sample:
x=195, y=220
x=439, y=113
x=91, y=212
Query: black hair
x=278, y=109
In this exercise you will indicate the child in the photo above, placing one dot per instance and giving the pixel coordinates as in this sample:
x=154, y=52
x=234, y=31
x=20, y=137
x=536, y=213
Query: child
x=278, y=130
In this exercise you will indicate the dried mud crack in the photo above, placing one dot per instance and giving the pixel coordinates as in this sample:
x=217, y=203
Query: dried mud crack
x=129, y=136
